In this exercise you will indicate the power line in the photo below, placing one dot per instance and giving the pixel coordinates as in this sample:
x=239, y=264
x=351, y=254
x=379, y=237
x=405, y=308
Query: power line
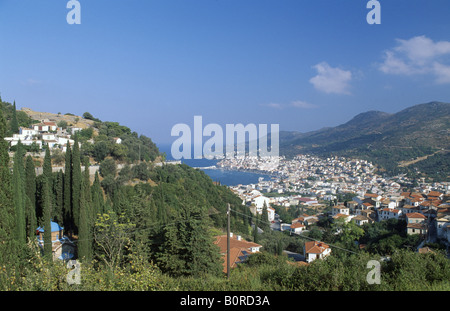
x=156, y=224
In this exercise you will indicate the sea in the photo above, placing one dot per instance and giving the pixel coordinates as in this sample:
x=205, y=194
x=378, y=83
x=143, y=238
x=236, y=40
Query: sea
x=223, y=176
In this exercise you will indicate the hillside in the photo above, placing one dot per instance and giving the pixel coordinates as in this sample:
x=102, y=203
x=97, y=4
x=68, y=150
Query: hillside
x=71, y=119
x=415, y=140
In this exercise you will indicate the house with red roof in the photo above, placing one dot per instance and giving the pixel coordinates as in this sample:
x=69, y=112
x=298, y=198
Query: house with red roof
x=240, y=249
x=297, y=227
x=416, y=223
x=315, y=250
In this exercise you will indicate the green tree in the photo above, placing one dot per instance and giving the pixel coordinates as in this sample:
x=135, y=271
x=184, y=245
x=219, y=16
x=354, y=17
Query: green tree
x=46, y=218
x=30, y=180
x=188, y=247
x=112, y=233
x=108, y=167
x=100, y=151
x=67, y=211
x=8, y=245
x=19, y=195
x=76, y=182
x=58, y=203
x=47, y=170
x=14, y=122
x=97, y=197
x=265, y=226
x=255, y=230
x=85, y=234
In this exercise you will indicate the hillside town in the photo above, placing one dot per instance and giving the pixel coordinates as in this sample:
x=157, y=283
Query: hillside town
x=320, y=186
x=45, y=133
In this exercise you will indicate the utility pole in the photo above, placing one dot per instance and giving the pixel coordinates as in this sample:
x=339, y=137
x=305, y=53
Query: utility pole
x=228, y=240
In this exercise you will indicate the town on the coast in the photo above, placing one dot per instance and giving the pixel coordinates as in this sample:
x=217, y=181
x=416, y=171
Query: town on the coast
x=349, y=189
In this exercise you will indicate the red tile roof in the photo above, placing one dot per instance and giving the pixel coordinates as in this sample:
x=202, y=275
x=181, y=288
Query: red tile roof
x=415, y=215
x=314, y=247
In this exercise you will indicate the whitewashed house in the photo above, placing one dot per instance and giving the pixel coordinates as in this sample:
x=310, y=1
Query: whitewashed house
x=315, y=250
x=388, y=213
x=297, y=227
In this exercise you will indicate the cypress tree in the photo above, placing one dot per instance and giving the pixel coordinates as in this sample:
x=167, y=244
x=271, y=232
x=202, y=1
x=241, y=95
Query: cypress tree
x=84, y=229
x=19, y=195
x=255, y=230
x=14, y=122
x=58, y=190
x=30, y=180
x=46, y=221
x=265, y=218
x=30, y=200
x=76, y=183
x=87, y=181
x=8, y=252
x=68, y=217
x=97, y=197
x=31, y=219
x=47, y=167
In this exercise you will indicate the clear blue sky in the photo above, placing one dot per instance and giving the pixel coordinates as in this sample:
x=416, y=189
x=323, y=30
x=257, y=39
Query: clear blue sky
x=304, y=64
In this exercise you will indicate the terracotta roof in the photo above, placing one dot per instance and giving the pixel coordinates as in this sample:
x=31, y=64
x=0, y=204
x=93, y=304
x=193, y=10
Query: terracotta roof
x=314, y=247
x=416, y=226
x=340, y=215
x=415, y=215
x=297, y=225
x=372, y=195
x=434, y=194
x=392, y=210
x=221, y=241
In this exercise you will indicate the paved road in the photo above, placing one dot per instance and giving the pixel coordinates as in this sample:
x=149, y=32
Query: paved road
x=295, y=256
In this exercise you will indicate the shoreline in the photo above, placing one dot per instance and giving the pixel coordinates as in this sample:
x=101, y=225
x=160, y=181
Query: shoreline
x=253, y=171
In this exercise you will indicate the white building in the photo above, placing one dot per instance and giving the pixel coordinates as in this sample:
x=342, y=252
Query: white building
x=315, y=250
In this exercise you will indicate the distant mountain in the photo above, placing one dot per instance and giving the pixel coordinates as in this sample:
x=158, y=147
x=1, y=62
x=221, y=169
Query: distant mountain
x=406, y=141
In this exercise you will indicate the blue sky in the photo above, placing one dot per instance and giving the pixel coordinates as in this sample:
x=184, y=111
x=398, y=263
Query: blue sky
x=149, y=65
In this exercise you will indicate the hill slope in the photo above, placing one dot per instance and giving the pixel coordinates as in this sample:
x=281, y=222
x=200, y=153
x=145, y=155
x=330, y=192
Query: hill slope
x=416, y=139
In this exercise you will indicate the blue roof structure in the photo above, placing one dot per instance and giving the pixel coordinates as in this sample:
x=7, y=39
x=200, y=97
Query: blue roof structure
x=55, y=227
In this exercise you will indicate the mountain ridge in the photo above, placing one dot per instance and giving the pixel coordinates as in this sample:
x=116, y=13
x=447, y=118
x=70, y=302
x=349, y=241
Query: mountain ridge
x=417, y=131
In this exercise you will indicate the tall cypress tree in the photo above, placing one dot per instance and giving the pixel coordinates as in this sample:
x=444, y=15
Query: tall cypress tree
x=255, y=230
x=46, y=221
x=76, y=183
x=30, y=180
x=14, y=122
x=30, y=202
x=47, y=167
x=97, y=197
x=19, y=195
x=68, y=217
x=58, y=190
x=265, y=226
x=8, y=250
x=31, y=219
x=84, y=228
